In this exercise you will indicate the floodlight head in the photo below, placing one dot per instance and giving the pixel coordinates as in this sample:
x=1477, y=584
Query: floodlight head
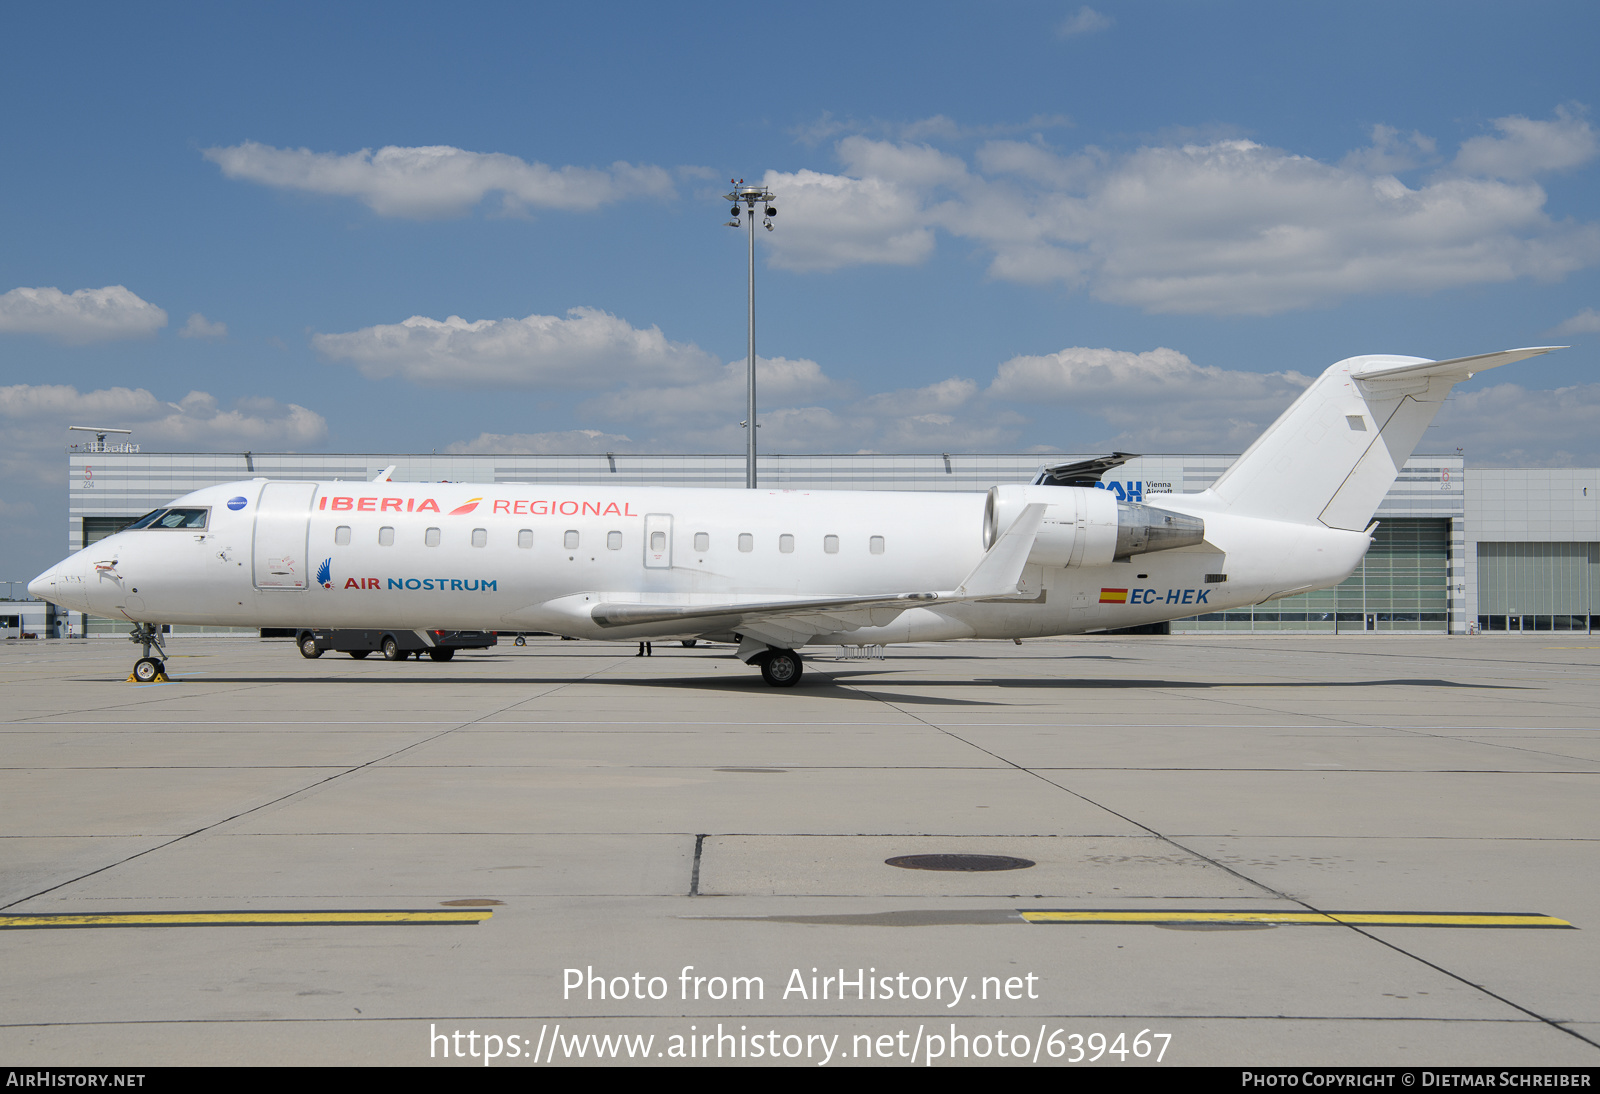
x=772, y=210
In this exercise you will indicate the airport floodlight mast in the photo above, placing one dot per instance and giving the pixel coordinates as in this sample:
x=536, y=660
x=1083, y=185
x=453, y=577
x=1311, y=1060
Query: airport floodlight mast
x=752, y=196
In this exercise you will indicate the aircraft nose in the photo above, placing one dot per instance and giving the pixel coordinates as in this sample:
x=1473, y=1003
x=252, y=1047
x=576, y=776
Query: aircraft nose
x=43, y=587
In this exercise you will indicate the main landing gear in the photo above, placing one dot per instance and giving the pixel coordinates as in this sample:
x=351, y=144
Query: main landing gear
x=148, y=670
x=780, y=668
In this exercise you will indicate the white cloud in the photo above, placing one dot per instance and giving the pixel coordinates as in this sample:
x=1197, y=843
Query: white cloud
x=1159, y=400
x=198, y=327
x=88, y=315
x=437, y=180
x=1390, y=151
x=1585, y=322
x=1526, y=147
x=1224, y=227
x=719, y=398
x=568, y=440
x=1507, y=425
x=937, y=127
x=1084, y=21
x=829, y=221
x=587, y=350
x=34, y=420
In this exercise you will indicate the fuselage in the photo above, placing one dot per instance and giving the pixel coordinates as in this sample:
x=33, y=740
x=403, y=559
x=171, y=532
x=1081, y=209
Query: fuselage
x=403, y=555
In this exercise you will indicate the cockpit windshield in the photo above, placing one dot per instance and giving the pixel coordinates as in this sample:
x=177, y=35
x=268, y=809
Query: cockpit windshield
x=172, y=518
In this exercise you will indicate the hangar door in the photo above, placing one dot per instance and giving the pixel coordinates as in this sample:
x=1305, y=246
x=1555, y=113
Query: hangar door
x=283, y=521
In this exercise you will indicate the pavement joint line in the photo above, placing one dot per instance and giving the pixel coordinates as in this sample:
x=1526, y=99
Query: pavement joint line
x=1357, y=928
x=78, y=921
x=606, y=1016
x=275, y=801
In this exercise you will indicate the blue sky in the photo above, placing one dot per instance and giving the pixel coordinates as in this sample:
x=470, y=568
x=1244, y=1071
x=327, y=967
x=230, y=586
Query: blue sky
x=1002, y=227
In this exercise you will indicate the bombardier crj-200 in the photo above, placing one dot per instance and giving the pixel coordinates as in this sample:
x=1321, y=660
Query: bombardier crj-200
x=776, y=570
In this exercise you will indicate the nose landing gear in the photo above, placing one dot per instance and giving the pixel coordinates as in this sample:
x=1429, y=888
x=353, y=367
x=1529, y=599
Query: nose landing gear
x=148, y=670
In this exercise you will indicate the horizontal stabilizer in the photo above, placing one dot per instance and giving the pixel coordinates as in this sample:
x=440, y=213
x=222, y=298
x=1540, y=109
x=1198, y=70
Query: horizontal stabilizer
x=1456, y=369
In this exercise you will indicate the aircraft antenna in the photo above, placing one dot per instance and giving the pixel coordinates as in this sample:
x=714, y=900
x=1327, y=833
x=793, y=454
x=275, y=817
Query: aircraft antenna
x=751, y=196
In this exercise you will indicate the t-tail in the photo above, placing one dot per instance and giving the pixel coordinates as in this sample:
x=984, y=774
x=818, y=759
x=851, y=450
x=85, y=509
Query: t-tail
x=1333, y=455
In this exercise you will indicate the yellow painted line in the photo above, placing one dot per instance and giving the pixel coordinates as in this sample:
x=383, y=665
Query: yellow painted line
x=1366, y=919
x=239, y=919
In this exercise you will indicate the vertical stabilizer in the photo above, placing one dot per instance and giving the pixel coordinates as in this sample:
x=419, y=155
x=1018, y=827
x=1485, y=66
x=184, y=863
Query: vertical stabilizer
x=1333, y=455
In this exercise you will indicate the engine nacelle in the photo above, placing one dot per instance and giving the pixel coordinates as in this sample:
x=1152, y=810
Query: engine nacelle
x=1088, y=527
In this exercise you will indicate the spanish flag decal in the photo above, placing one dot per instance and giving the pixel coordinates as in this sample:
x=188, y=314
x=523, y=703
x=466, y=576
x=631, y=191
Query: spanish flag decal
x=1113, y=596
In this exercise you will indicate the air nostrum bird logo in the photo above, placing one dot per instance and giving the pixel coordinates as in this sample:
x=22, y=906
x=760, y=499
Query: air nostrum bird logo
x=325, y=573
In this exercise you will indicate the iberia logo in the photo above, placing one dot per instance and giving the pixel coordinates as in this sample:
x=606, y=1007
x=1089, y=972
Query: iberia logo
x=325, y=573
x=461, y=510
x=1113, y=596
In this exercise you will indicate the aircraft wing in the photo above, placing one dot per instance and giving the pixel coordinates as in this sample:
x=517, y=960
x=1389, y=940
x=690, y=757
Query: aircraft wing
x=793, y=621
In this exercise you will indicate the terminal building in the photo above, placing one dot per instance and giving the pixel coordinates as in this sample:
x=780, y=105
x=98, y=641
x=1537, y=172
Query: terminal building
x=1456, y=549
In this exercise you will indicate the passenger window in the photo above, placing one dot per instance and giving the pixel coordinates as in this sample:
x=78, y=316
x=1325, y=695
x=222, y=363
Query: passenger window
x=431, y=537
x=525, y=538
x=480, y=537
x=614, y=541
x=747, y=542
x=786, y=544
x=875, y=544
x=385, y=537
x=830, y=544
x=571, y=539
x=658, y=541
x=702, y=541
x=341, y=535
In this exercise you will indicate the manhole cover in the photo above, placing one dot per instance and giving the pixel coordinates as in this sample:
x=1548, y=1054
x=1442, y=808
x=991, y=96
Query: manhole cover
x=966, y=863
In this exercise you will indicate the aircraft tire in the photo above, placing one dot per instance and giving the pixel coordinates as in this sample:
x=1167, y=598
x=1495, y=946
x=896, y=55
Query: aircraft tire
x=689, y=643
x=309, y=648
x=147, y=669
x=521, y=641
x=441, y=655
x=391, y=649
x=781, y=668
x=359, y=654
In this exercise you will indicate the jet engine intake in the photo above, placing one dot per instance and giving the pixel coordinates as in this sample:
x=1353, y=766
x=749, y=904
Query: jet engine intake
x=1088, y=527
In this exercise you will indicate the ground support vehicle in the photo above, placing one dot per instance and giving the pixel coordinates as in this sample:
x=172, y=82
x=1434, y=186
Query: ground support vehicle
x=438, y=645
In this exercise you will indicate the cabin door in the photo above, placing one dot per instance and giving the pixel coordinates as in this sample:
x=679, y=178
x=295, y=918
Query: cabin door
x=658, y=541
x=283, y=522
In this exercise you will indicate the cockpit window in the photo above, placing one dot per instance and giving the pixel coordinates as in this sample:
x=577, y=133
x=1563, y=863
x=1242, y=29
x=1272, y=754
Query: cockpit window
x=183, y=518
x=173, y=518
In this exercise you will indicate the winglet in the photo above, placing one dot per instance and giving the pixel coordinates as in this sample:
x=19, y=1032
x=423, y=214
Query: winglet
x=999, y=570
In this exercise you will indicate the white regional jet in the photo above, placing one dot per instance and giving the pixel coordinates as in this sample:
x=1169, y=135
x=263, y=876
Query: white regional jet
x=776, y=570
